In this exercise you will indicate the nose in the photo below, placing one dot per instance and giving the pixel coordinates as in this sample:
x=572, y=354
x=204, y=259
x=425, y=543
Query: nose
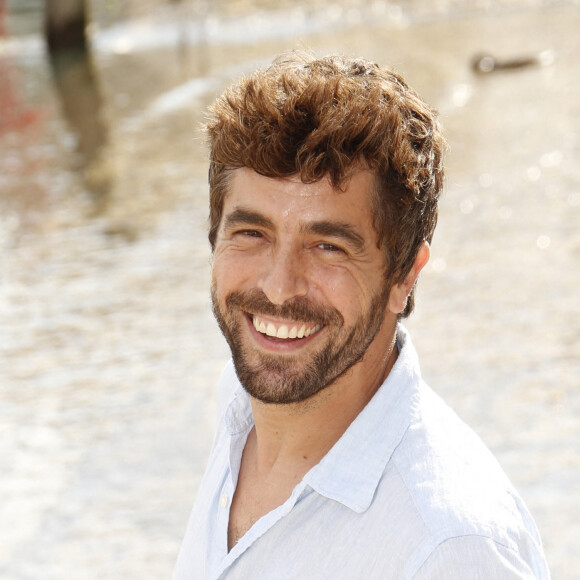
x=284, y=276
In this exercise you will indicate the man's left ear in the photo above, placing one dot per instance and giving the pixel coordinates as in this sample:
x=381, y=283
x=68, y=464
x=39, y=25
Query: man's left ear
x=400, y=291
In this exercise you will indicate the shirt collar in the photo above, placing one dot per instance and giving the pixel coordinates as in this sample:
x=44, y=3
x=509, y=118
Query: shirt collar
x=238, y=416
x=350, y=472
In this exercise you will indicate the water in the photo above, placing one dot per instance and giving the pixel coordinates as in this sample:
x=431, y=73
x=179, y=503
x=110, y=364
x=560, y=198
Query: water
x=108, y=351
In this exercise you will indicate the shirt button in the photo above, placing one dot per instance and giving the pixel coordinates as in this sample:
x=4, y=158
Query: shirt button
x=223, y=500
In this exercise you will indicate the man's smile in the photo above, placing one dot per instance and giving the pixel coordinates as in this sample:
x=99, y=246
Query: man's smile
x=283, y=329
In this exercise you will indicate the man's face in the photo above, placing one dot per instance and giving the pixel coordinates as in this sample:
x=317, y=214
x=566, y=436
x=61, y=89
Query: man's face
x=298, y=283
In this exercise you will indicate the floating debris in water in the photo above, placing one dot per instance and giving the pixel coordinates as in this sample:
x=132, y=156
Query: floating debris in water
x=486, y=63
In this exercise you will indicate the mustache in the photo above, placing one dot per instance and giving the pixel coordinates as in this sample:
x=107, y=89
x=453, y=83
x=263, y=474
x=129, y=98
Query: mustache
x=299, y=309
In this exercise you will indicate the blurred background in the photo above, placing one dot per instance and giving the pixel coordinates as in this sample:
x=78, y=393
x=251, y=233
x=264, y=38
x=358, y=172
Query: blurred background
x=109, y=355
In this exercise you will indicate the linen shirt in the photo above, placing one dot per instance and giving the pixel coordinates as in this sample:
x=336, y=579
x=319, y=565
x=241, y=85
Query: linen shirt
x=407, y=492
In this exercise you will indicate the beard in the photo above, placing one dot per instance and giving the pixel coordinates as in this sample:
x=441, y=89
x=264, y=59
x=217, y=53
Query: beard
x=284, y=379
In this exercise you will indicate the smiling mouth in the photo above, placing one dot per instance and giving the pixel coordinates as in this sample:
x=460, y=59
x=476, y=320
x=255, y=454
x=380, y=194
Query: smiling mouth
x=284, y=330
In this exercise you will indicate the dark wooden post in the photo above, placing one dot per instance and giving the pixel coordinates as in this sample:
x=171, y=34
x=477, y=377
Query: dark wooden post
x=65, y=24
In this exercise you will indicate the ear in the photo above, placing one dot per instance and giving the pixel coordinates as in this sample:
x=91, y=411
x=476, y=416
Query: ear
x=400, y=291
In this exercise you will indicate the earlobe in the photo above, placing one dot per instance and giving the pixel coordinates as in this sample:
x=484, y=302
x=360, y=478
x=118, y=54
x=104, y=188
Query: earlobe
x=400, y=291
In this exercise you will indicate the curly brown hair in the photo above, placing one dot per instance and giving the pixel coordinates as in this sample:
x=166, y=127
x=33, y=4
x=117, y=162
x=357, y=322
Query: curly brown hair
x=329, y=117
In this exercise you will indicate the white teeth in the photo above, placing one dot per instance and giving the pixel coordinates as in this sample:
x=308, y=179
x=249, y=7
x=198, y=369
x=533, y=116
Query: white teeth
x=283, y=331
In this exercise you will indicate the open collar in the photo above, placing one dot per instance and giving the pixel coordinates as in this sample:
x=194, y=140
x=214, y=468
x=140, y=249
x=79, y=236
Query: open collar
x=351, y=471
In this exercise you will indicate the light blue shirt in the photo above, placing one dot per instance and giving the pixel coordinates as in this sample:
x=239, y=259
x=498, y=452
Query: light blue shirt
x=407, y=492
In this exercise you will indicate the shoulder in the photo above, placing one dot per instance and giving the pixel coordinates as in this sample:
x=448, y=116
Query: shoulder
x=447, y=469
x=464, y=504
x=480, y=558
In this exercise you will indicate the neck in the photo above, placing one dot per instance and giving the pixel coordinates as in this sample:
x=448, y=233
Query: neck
x=297, y=436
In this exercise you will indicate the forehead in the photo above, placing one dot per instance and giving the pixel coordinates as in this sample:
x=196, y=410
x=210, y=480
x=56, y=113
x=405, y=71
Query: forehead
x=290, y=198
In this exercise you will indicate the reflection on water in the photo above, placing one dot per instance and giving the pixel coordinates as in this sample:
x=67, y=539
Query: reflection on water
x=82, y=108
x=78, y=91
x=108, y=351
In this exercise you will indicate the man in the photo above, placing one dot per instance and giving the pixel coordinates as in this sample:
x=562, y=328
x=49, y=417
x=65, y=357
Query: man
x=332, y=458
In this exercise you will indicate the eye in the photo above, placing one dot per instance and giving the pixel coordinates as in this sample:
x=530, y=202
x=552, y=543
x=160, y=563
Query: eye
x=249, y=233
x=331, y=248
x=248, y=238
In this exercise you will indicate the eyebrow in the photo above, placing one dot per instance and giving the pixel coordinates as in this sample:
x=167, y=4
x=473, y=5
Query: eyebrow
x=246, y=217
x=339, y=230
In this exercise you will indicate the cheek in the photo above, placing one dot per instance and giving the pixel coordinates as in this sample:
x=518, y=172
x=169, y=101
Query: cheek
x=219, y=271
x=232, y=270
x=348, y=290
